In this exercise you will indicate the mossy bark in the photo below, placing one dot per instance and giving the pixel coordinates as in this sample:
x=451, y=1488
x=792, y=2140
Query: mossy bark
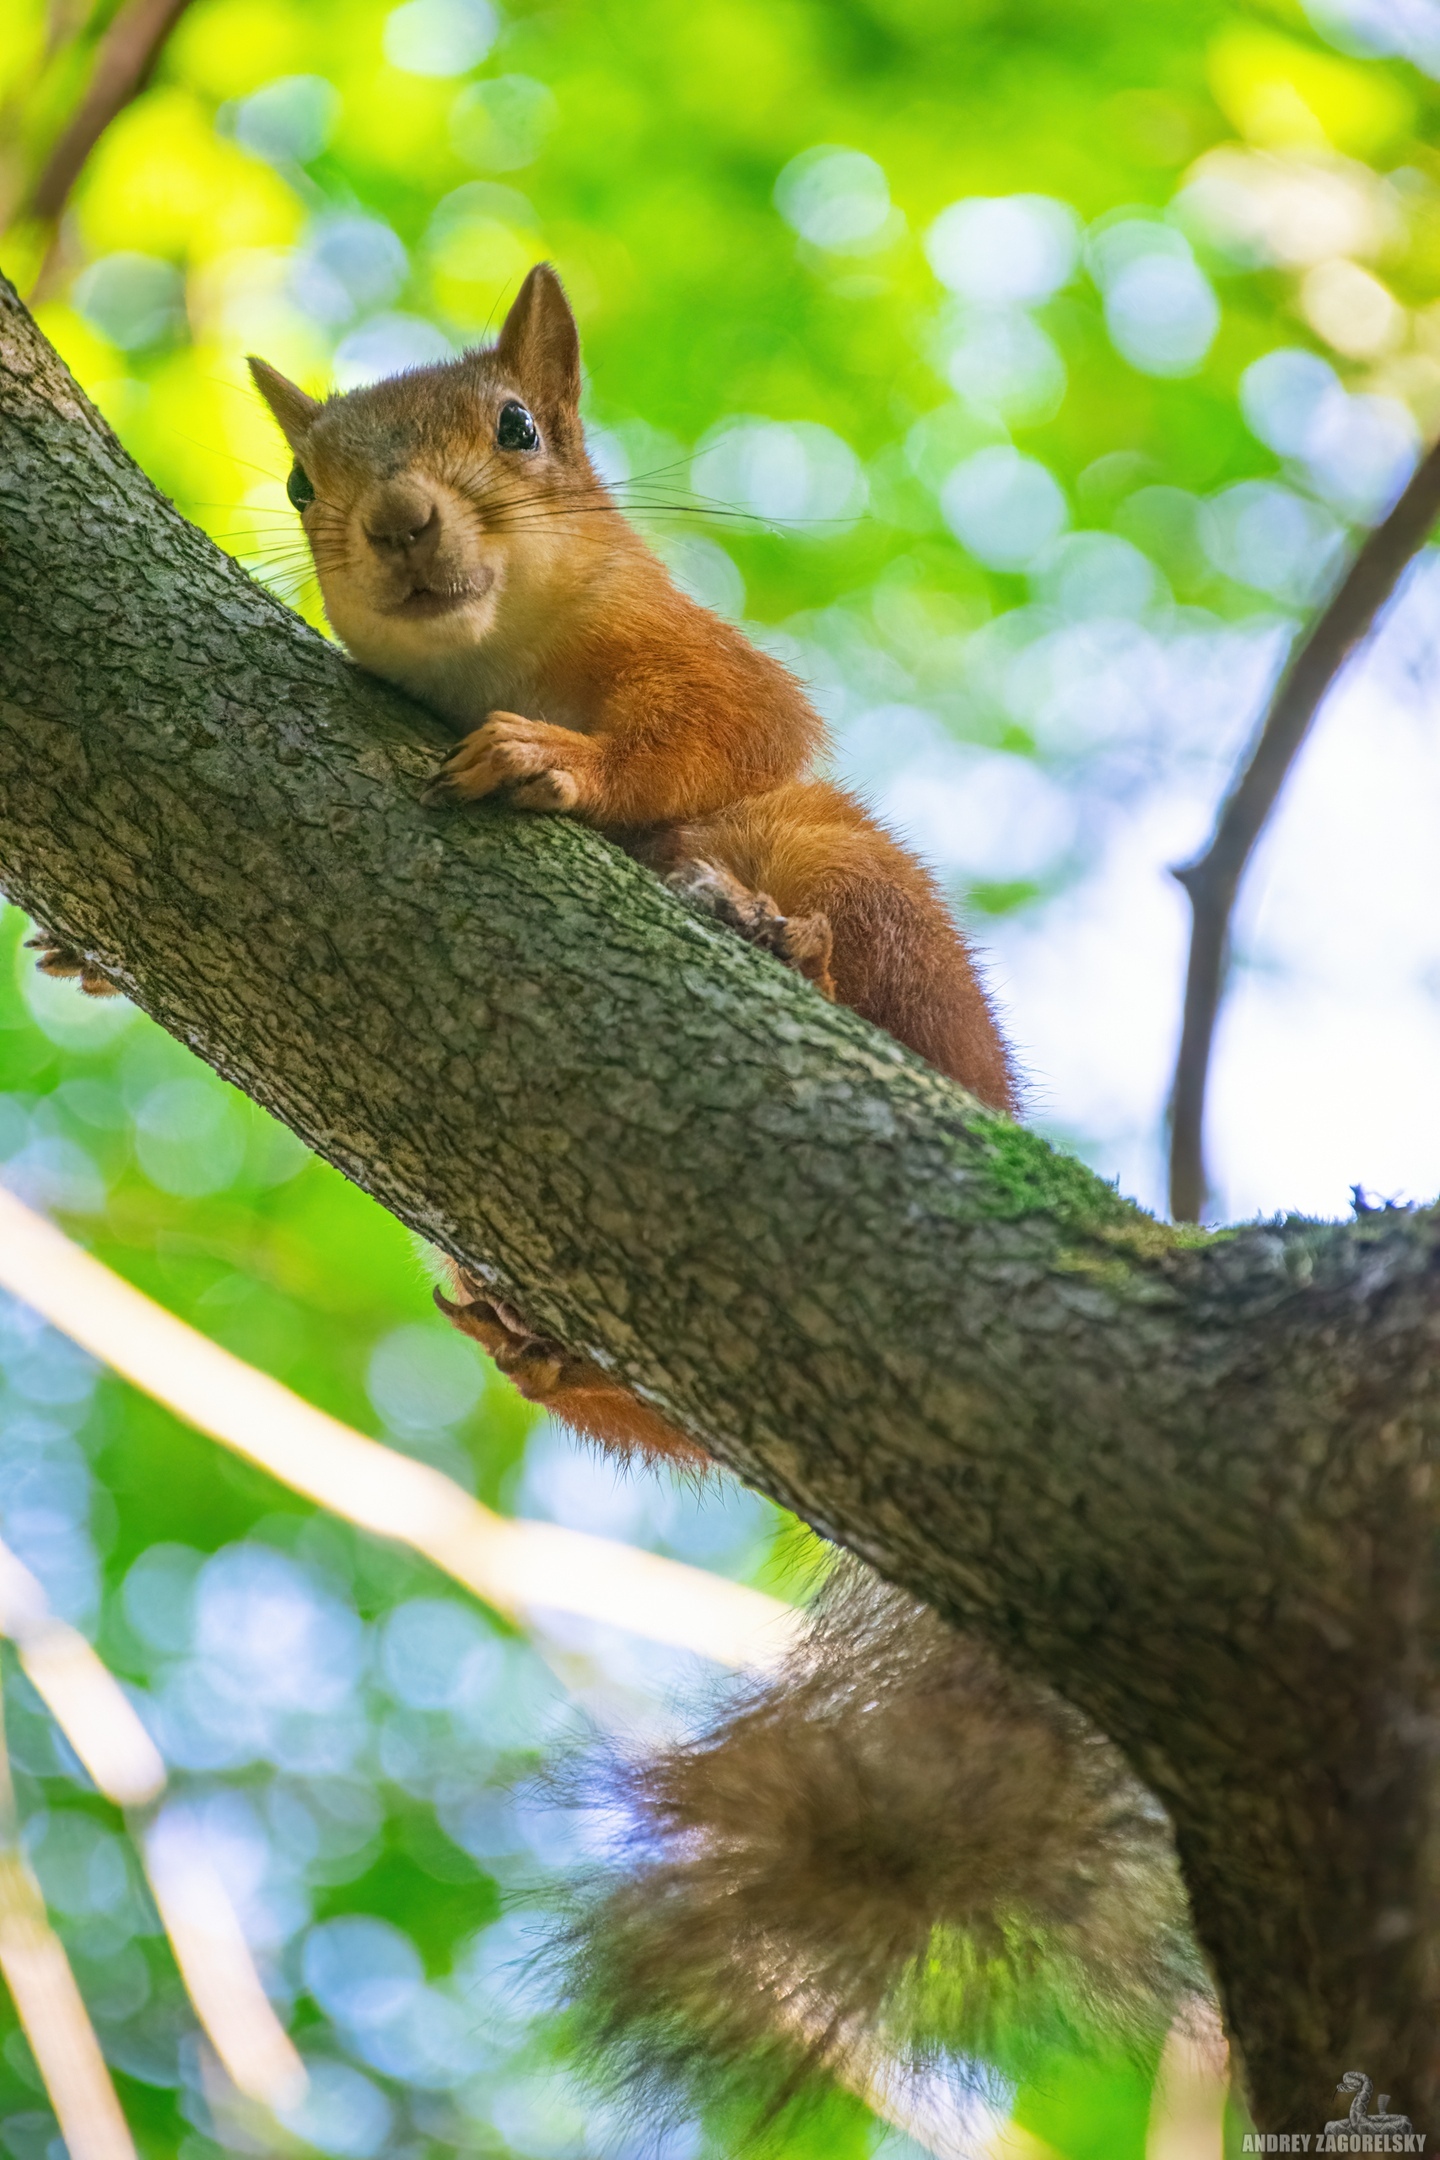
x=1188, y=1479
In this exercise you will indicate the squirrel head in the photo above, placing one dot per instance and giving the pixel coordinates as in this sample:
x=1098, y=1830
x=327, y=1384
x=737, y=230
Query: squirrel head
x=444, y=506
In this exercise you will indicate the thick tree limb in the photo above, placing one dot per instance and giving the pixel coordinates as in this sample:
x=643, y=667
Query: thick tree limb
x=1188, y=1478
x=1213, y=879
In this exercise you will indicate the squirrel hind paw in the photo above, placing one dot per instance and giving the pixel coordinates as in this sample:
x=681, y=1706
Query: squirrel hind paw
x=808, y=946
x=536, y=1365
x=802, y=942
x=476, y=1312
x=574, y=1389
x=715, y=891
x=61, y=960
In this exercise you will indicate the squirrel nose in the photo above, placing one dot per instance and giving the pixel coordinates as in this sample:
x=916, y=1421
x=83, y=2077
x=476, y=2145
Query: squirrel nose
x=404, y=521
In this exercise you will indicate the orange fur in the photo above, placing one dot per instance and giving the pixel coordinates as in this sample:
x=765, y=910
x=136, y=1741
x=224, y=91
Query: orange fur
x=503, y=586
x=896, y=957
x=894, y=1829
x=571, y=1388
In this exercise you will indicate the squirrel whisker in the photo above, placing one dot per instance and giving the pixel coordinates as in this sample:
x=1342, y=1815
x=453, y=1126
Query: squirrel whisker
x=896, y=1850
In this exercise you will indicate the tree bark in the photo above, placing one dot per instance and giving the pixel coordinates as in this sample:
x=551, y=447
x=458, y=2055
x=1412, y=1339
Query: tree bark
x=1186, y=1477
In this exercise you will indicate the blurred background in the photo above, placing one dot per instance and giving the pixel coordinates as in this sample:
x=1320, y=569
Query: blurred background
x=1020, y=375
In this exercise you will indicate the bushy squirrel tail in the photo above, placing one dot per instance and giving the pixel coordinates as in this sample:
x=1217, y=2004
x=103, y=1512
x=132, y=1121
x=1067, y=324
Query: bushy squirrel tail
x=896, y=1853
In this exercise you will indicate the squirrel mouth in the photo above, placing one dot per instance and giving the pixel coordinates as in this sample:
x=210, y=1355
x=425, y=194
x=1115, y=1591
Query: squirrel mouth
x=427, y=600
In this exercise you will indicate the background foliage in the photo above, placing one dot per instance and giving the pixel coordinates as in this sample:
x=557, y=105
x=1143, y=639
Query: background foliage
x=1017, y=372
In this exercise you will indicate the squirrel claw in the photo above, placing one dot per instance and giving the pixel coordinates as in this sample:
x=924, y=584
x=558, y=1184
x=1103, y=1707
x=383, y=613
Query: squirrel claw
x=475, y=1309
x=439, y=788
x=533, y=760
x=535, y=1364
x=802, y=942
x=477, y=1318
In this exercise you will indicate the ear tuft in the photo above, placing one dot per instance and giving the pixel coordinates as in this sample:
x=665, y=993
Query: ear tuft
x=293, y=407
x=540, y=342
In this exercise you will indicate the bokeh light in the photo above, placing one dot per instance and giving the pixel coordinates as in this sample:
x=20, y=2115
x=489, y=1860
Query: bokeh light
x=1022, y=392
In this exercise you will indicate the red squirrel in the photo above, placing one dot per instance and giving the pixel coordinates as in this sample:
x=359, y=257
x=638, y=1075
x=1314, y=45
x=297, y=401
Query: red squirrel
x=894, y=1788
x=467, y=550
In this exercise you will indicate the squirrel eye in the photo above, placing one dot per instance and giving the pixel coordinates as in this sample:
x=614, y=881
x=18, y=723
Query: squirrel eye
x=299, y=489
x=516, y=431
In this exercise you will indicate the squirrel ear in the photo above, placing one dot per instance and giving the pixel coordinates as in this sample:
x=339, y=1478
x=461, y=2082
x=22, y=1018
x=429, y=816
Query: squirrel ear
x=292, y=407
x=540, y=342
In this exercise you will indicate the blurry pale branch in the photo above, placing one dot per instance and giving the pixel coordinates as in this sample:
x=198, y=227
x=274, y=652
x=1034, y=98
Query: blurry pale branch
x=62, y=2039
x=215, y=1963
x=1187, y=2104
x=1186, y=1479
x=101, y=1724
x=514, y=1566
x=48, y=2003
x=1213, y=879
x=538, y=1568
x=124, y=58
x=82, y=1694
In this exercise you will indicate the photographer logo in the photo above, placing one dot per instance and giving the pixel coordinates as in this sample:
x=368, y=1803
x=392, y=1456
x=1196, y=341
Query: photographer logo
x=1358, y=2132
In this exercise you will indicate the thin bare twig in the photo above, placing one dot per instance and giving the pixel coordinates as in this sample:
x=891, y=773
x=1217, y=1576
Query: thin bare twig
x=48, y=2003
x=1213, y=879
x=123, y=61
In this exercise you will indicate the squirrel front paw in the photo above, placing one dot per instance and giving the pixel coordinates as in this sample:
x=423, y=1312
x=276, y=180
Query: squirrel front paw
x=56, y=958
x=534, y=759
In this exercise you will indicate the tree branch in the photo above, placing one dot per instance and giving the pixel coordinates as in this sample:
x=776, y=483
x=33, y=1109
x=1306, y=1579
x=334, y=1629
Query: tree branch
x=1213, y=879
x=1186, y=1478
x=123, y=62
